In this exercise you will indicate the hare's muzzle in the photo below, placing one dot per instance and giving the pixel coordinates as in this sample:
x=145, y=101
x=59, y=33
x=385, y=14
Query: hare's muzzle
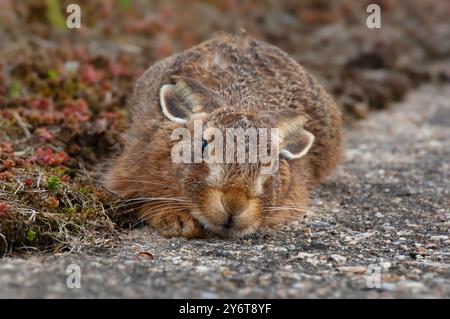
x=234, y=201
x=229, y=212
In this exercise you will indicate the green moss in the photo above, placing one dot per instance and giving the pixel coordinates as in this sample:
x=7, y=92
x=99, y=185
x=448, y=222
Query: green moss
x=53, y=183
x=52, y=74
x=14, y=91
x=31, y=235
x=69, y=210
x=85, y=190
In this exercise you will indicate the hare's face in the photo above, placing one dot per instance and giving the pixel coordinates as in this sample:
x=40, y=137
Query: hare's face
x=232, y=181
x=233, y=165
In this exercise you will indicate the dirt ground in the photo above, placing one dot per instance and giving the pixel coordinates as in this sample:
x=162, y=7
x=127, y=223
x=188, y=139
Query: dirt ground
x=383, y=218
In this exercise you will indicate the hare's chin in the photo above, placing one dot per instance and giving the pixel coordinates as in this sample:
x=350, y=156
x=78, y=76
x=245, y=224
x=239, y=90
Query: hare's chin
x=221, y=231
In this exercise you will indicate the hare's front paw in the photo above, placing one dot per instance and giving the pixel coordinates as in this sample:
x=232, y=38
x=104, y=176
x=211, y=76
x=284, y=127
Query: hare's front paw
x=180, y=224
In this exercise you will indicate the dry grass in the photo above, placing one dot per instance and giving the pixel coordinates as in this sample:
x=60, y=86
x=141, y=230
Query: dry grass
x=45, y=212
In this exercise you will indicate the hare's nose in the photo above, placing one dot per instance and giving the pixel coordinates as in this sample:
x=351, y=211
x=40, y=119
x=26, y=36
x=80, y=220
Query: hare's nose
x=234, y=201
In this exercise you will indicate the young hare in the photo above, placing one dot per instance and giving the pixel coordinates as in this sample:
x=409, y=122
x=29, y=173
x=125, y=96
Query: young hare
x=227, y=82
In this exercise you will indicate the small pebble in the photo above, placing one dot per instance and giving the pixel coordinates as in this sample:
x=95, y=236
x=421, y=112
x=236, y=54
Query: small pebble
x=439, y=237
x=338, y=259
x=202, y=269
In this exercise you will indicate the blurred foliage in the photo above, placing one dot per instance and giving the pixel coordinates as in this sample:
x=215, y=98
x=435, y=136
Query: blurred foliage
x=54, y=15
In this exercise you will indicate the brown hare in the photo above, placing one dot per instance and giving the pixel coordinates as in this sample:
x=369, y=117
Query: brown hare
x=227, y=82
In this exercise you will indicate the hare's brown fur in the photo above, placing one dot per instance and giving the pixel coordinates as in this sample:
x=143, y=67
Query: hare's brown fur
x=252, y=78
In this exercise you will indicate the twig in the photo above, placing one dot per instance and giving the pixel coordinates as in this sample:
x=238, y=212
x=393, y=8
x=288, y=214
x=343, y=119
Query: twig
x=22, y=124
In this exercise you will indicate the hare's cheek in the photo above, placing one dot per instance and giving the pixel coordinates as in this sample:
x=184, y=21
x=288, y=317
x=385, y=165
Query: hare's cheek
x=193, y=181
x=250, y=217
x=278, y=184
x=271, y=190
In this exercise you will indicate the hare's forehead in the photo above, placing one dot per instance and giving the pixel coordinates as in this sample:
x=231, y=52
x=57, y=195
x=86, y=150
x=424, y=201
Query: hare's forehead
x=224, y=120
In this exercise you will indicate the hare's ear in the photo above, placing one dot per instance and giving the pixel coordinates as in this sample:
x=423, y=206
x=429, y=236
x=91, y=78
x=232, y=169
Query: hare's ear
x=179, y=101
x=295, y=140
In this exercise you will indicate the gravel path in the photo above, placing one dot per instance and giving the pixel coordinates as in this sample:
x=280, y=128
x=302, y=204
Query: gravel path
x=380, y=228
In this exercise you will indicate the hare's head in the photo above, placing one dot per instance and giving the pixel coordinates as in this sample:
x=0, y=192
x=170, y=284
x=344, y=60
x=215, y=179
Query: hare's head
x=234, y=166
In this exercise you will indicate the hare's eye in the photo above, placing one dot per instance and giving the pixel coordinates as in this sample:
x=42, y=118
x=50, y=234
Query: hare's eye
x=204, y=144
